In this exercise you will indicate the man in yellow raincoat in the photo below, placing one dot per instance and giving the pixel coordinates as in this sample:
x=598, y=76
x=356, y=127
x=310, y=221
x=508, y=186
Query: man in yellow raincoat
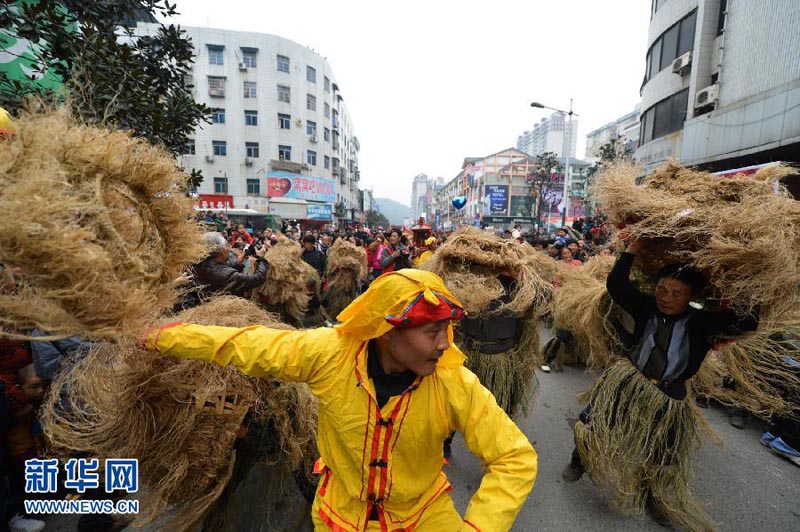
x=391, y=387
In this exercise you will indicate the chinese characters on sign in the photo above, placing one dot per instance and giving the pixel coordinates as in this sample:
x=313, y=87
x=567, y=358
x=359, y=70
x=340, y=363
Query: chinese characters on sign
x=288, y=185
x=498, y=199
x=41, y=476
x=215, y=201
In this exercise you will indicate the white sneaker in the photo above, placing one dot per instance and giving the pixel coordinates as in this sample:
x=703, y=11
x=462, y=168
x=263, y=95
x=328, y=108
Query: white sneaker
x=545, y=368
x=23, y=524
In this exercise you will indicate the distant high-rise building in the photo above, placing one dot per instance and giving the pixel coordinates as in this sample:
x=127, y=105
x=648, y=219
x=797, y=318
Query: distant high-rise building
x=548, y=136
x=625, y=128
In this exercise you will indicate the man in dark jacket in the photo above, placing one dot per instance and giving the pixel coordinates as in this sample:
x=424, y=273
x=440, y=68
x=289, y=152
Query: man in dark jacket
x=216, y=276
x=313, y=256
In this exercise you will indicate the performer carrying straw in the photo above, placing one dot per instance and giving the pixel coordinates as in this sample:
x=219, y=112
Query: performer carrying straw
x=637, y=431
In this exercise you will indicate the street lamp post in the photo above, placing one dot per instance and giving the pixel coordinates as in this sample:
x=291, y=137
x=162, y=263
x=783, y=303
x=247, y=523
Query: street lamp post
x=565, y=152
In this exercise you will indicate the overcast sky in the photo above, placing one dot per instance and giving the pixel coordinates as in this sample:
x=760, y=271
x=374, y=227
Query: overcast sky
x=428, y=83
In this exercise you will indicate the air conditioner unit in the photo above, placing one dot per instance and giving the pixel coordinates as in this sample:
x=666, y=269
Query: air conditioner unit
x=706, y=97
x=312, y=138
x=209, y=158
x=216, y=92
x=248, y=161
x=242, y=66
x=682, y=64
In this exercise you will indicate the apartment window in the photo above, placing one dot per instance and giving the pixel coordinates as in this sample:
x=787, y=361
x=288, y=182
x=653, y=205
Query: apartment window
x=215, y=55
x=218, y=116
x=249, y=89
x=188, y=82
x=283, y=63
x=216, y=86
x=327, y=84
x=311, y=157
x=284, y=121
x=311, y=102
x=723, y=10
x=189, y=148
x=249, y=57
x=253, y=187
x=284, y=153
x=327, y=110
x=311, y=128
x=327, y=162
x=673, y=43
x=251, y=149
x=311, y=74
x=284, y=94
x=251, y=118
x=327, y=134
x=220, y=185
x=220, y=147
x=664, y=117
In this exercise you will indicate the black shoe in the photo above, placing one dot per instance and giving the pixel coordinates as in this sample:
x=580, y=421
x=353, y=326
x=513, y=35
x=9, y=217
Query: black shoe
x=737, y=419
x=573, y=472
x=657, y=513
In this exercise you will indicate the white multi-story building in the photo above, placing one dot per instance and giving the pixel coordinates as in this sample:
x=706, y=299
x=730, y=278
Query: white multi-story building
x=722, y=83
x=420, y=197
x=625, y=128
x=281, y=139
x=548, y=136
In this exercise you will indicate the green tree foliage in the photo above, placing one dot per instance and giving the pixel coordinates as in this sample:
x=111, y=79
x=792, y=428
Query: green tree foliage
x=546, y=181
x=376, y=219
x=110, y=76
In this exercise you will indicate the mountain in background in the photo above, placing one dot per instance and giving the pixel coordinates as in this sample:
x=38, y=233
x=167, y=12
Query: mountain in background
x=394, y=211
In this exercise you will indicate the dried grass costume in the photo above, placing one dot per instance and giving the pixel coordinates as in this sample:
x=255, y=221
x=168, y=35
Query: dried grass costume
x=500, y=334
x=347, y=266
x=637, y=433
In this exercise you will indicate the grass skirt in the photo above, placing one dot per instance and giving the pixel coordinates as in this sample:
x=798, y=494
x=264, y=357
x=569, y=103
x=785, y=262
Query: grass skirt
x=509, y=375
x=637, y=442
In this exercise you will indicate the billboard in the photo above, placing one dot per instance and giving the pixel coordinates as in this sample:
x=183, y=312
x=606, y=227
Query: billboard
x=319, y=212
x=288, y=185
x=498, y=199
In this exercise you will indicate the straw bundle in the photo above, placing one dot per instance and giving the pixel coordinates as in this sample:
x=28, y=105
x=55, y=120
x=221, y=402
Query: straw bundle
x=178, y=417
x=347, y=265
x=470, y=261
x=752, y=373
x=100, y=224
x=286, y=288
x=739, y=231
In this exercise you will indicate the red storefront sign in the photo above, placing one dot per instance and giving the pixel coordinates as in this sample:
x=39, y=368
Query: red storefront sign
x=215, y=201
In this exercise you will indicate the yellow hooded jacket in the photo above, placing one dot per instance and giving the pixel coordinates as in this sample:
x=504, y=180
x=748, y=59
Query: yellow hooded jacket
x=390, y=457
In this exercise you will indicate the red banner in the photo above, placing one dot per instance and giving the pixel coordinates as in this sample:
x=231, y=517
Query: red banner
x=215, y=201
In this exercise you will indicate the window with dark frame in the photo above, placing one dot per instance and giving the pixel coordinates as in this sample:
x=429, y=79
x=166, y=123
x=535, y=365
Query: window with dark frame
x=220, y=147
x=216, y=86
x=311, y=74
x=284, y=153
x=665, y=117
x=189, y=148
x=311, y=128
x=218, y=116
x=673, y=43
x=284, y=121
x=284, y=94
x=220, y=185
x=250, y=89
x=215, y=55
x=327, y=84
x=327, y=135
x=311, y=157
x=283, y=63
x=251, y=118
x=249, y=57
x=311, y=102
x=251, y=149
x=723, y=9
x=327, y=162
